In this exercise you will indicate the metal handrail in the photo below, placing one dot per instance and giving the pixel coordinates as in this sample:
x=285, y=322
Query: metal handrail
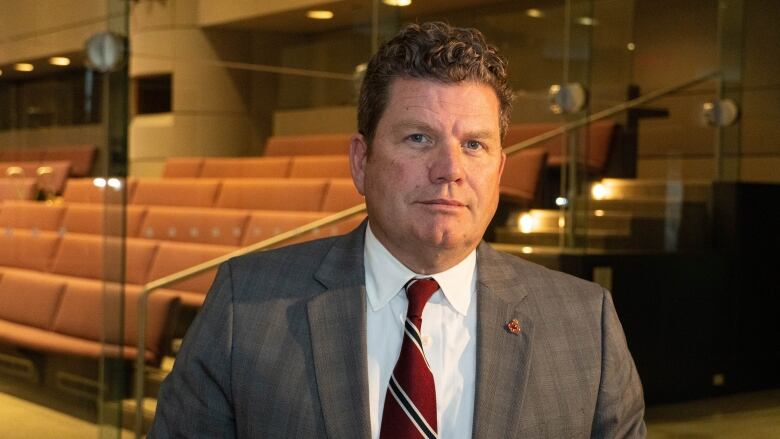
x=150, y=287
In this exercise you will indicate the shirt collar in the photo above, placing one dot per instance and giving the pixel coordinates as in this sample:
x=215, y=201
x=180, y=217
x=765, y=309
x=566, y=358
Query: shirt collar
x=386, y=276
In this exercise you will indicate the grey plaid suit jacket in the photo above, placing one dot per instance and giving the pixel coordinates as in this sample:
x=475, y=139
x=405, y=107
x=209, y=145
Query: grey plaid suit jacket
x=279, y=351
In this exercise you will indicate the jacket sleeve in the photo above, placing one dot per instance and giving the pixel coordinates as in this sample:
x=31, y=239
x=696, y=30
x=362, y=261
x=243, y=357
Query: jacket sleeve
x=620, y=405
x=195, y=399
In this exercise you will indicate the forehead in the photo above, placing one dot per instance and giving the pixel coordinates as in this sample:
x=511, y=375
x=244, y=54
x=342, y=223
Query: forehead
x=425, y=98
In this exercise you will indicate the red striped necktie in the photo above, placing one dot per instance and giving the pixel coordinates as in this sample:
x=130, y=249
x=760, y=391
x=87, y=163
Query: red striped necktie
x=410, y=402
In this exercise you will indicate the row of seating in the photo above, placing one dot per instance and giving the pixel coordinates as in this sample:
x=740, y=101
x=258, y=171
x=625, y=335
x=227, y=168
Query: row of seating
x=307, y=194
x=81, y=157
x=325, y=166
x=49, y=175
x=63, y=315
x=231, y=227
x=98, y=258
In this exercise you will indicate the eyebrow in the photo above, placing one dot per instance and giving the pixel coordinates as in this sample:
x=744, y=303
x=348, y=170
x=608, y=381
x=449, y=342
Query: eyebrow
x=416, y=124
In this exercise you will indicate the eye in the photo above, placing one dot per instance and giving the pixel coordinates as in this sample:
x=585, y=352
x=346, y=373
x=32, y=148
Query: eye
x=418, y=138
x=473, y=145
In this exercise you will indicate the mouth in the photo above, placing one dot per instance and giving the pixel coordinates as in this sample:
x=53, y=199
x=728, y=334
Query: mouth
x=443, y=202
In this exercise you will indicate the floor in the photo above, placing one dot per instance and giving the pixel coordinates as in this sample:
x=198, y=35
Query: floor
x=754, y=416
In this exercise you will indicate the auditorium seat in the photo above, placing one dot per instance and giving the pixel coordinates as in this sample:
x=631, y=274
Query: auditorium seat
x=522, y=172
x=96, y=257
x=182, y=167
x=341, y=194
x=81, y=157
x=272, y=194
x=50, y=176
x=189, y=192
x=28, y=249
x=308, y=144
x=30, y=299
x=594, y=156
x=17, y=189
x=176, y=256
x=264, y=224
x=201, y=225
x=245, y=167
x=31, y=215
x=326, y=166
x=85, y=190
x=91, y=218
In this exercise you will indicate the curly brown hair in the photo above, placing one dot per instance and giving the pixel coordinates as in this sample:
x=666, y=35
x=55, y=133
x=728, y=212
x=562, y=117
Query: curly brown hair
x=434, y=51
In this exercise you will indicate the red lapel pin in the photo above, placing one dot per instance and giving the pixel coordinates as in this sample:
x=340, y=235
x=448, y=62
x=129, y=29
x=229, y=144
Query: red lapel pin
x=513, y=327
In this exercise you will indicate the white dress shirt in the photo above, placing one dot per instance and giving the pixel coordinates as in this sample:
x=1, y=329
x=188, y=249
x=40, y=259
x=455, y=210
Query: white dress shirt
x=449, y=330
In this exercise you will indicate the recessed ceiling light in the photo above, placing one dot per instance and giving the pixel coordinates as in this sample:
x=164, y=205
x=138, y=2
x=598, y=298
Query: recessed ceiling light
x=23, y=67
x=59, y=61
x=630, y=46
x=319, y=14
x=587, y=21
x=534, y=13
x=399, y=3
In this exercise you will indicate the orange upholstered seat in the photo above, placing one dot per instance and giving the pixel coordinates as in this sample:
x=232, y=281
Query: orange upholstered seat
x=27, y=249
x=272, y=194
x=176, y=256
x=31, y=215
x=81, y=157
x=85, y=190
x=183, y=167
x=176, y=192
x=522, y=172
x=245, y=167
x=310, y=144
x=203, y=225
x=264, y=224
x=92, y=218
x=326, y=166
x=97, y=257
x=594, y=155
x=29, y=298
x=17, y=189
x=341, y=194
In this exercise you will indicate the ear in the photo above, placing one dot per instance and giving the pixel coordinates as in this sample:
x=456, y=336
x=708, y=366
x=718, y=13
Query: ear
x=501, y=167
x=358, y=154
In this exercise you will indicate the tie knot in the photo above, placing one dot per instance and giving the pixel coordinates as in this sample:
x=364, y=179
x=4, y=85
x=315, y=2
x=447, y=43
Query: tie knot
x=418, y=291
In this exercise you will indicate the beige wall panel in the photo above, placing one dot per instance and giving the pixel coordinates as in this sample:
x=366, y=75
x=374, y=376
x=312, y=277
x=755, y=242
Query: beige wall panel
x=760, y=121
x=79, y=134
x=42, y=16
x=324, y=120
x=163, y=136
x=152, y=53
x=209, y=89
x=152, y=168
x=223, y=11
x=760, y=169
x=681, y=132
x=48, y=44
x=148, y=15
x=687, y=169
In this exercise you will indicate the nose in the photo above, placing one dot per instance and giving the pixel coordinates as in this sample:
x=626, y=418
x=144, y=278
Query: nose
x=446, y=165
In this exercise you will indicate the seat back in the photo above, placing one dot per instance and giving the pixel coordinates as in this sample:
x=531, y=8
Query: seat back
x=311, y=144
x=31, y=215
x=522, y=172
x=91, y=218
x=94, y=257
x=30, y=299
x=29, y=249
x=272, y=194
x=191, y=192
x=341, y=194
x=17, y=189
x=81, y=157
x=326, y=166
x=202, y=225
x=183, y=167
x=245, y=167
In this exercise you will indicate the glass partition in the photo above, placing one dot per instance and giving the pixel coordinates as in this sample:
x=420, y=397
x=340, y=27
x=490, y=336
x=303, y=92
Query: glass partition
x=225, y=124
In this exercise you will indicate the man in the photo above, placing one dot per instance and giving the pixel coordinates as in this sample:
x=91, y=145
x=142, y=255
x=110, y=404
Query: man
x=331, y=338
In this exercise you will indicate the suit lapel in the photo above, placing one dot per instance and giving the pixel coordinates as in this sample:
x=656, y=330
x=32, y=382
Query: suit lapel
x=337, y=320
x=503, y=358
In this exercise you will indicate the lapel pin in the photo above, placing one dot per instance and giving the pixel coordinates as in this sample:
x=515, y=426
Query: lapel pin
x=513, y=327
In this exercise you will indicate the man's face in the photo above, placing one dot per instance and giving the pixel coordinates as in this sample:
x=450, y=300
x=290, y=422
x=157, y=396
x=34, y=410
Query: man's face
x=431, y=179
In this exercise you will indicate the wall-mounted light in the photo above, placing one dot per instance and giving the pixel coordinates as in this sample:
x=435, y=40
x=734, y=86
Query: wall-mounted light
x=630, y=47
x=24, y=67
x=534, y=13
x=59, y=61
x=587, y=21
x=315, y=14
x=399, y=3
x=1, y=72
